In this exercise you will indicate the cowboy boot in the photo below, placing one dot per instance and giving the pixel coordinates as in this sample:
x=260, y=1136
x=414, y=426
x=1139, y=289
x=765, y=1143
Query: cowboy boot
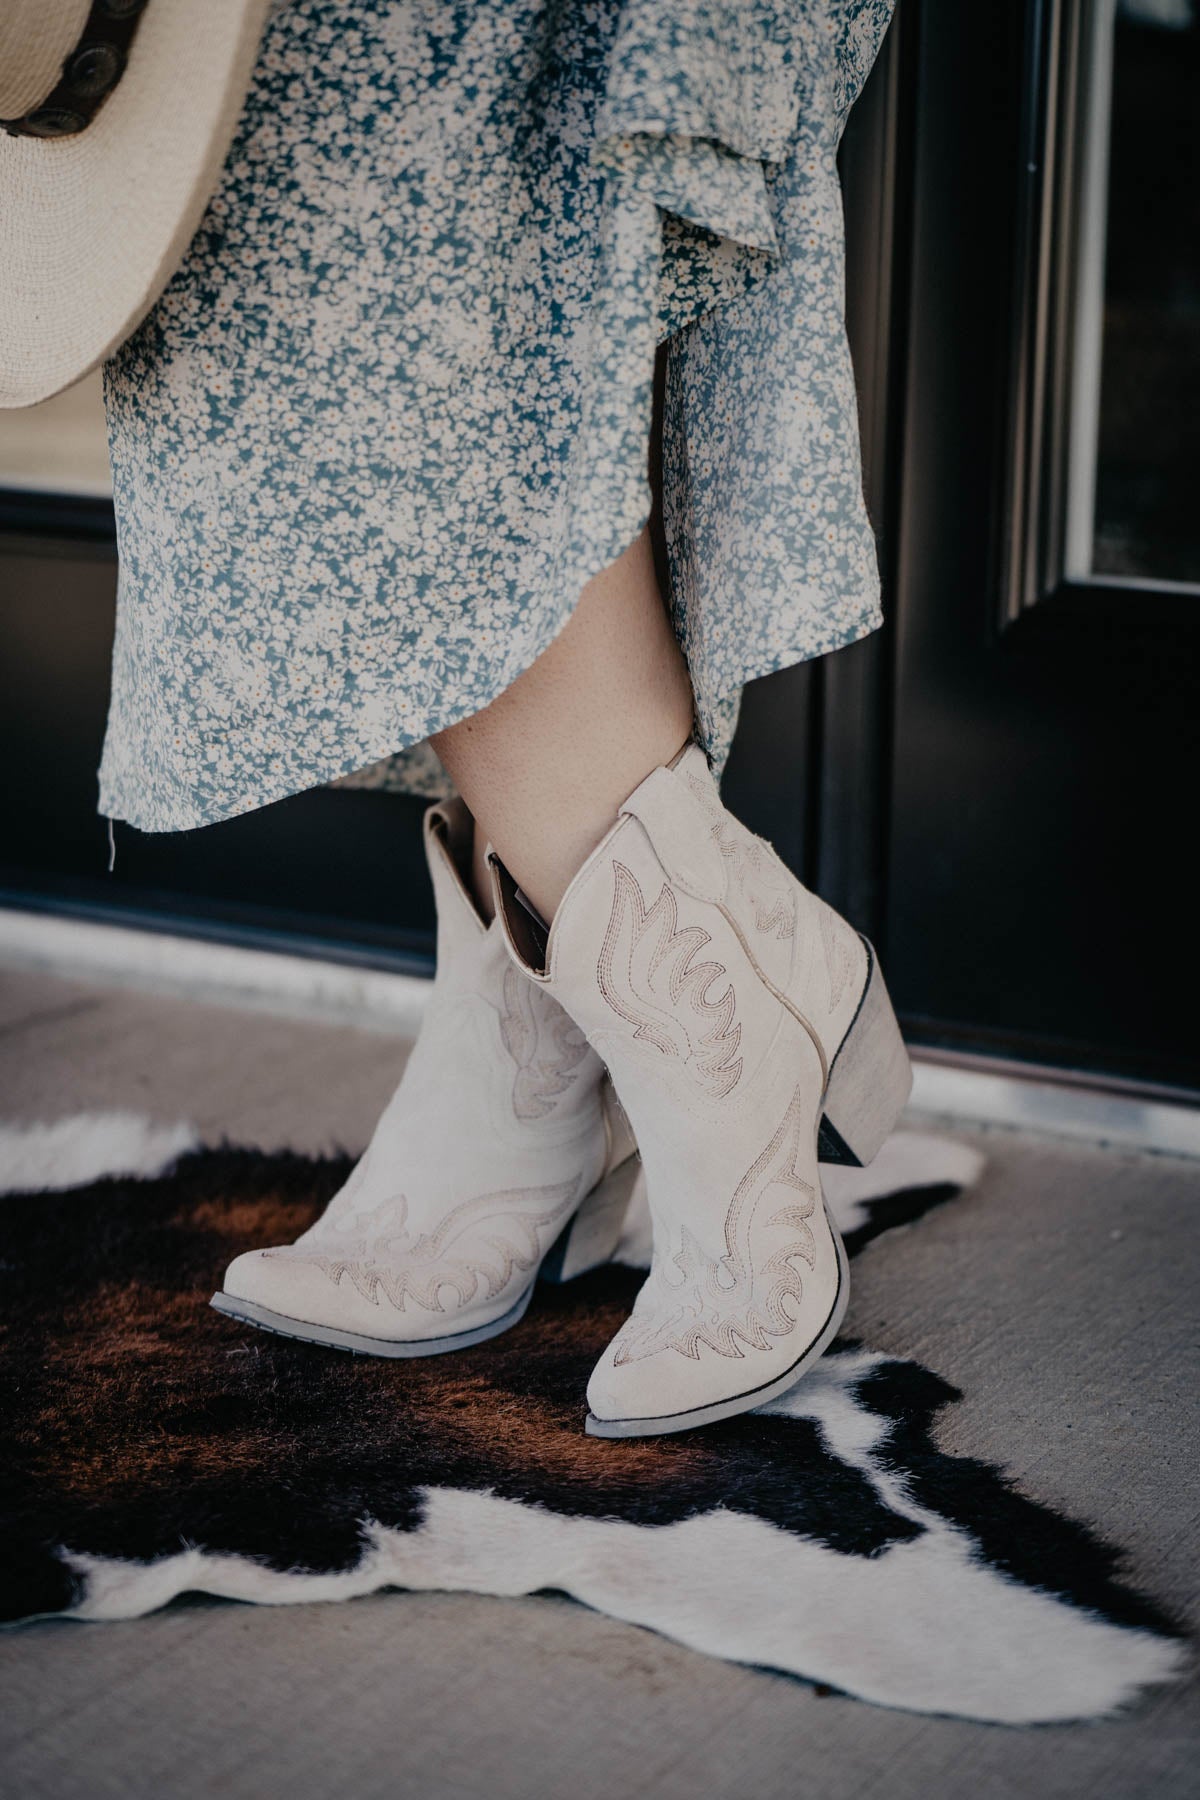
x=743, y=1023
x=501, y=1154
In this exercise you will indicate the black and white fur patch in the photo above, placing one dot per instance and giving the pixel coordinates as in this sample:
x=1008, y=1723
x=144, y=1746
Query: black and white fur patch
x=157, y=1449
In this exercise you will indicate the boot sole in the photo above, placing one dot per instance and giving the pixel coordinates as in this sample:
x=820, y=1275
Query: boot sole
x=729, y=1409
x=248, y=1312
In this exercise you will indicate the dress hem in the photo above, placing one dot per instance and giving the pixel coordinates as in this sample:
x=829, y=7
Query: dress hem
x=784, y=659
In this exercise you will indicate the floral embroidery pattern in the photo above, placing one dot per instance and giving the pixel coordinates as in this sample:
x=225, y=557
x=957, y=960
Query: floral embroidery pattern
x=647, y=964
x=839, y=957
x=764, y=883
x=391, y=413
x=731, y=1303
x=545, y=1044
x=478, y=1247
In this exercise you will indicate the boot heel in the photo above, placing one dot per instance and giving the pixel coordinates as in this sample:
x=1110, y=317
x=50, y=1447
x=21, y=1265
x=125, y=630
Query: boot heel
x=590, y=1238
x=869, y=1082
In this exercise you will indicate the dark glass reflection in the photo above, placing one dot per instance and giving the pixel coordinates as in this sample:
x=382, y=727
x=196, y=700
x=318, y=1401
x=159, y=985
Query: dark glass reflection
x=1147, y=520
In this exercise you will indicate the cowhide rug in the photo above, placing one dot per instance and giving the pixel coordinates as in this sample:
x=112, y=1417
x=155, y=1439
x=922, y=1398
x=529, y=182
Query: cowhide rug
x=154, y=1448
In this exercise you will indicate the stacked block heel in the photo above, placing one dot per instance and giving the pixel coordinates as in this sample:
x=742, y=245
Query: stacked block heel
x=869, y=1082
x=591, y=1237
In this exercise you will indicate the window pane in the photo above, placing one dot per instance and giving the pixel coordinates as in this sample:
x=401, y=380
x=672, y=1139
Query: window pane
x=1137, y=416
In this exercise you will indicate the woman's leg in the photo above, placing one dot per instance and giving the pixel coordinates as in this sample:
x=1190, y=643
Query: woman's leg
x=545, y=767
x=500, y=1133
x=743, y=1025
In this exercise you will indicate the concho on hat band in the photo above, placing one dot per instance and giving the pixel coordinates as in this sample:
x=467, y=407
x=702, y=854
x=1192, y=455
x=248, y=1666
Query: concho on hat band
x=90, y=69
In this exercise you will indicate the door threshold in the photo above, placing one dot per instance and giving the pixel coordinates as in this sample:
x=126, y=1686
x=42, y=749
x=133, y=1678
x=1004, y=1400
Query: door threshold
x=213, y=972
x=954, y=1086
x=1095, y=1109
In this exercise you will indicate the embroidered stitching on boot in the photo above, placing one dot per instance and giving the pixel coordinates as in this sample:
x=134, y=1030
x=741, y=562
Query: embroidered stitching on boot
x=482, y=1241
x=839, y=959
x=544, y=1072
x=644, y=951
x=727, y=1304
x=764, y=883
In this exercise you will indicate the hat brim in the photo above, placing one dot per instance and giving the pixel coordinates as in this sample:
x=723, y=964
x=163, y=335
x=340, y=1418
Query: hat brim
x=92, y=227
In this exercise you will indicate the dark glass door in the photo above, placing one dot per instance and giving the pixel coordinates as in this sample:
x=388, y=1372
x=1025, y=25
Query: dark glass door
x=1044, y=751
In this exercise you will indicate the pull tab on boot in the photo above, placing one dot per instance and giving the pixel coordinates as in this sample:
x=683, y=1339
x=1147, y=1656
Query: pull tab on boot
x=681, y=834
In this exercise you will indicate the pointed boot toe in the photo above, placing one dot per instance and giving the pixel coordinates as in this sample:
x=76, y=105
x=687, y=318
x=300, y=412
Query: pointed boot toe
x=637, y=1390
x=292, y=1294
x=365, y=1306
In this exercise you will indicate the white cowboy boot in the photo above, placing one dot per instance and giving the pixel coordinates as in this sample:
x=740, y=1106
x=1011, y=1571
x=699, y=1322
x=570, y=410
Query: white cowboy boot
x=501, y=1153
x=739, y=1017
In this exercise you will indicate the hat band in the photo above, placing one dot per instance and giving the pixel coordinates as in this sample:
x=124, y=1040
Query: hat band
x=91, y=70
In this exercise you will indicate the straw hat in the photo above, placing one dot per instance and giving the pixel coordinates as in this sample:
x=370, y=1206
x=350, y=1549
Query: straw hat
x=117, y=116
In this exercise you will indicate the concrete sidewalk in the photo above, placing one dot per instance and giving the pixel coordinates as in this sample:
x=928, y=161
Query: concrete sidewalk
x=1059, y=1295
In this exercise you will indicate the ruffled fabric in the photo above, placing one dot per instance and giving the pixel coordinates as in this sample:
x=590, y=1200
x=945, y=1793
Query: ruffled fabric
x=392, y=413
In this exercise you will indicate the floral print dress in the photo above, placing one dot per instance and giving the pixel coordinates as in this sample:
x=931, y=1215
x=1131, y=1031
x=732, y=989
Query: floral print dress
x=391, y=413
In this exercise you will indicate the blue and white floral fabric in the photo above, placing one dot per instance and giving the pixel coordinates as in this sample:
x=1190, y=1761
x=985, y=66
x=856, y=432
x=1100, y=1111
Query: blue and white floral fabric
x=391, y=414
